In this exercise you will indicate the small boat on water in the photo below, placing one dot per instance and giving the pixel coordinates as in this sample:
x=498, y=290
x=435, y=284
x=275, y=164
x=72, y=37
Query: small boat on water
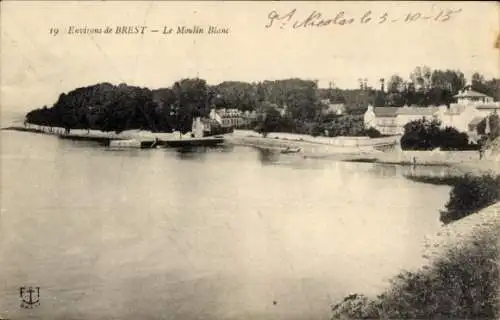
x=290, y=150
x=189, y=143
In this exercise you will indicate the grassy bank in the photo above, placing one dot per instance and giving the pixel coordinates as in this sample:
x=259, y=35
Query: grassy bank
x=462, y=284
x=462, y=281
x=470, y=194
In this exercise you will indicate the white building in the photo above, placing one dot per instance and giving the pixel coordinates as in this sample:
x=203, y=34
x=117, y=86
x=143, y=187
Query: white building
x=471, y=108
x=332, y=108
x=468, y=96
x=383, y=119
x=228, y=117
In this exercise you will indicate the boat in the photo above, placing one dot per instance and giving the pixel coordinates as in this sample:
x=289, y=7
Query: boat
x=201, y=142
x=290, y=150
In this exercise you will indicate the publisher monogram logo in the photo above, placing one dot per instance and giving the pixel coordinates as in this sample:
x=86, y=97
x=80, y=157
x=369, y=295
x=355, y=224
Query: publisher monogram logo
x=30, y=297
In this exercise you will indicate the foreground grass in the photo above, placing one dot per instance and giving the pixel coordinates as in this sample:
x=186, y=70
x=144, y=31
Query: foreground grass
x=462, y=284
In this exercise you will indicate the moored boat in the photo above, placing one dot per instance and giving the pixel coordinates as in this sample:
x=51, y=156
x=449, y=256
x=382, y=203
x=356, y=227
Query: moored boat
x=290, y=150
x=201, y=142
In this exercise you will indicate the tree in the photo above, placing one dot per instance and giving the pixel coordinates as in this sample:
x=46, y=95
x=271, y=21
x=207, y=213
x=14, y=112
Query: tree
x=450, y=80
x=494, y=88
x=233, y=94
x=192, y=100
x=379, y=100
x=395, y=84
x=421, y=77
x=493, y=124
x=489, y=87
x=269, y=122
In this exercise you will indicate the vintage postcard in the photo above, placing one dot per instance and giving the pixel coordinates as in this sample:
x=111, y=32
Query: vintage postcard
x=249, y=160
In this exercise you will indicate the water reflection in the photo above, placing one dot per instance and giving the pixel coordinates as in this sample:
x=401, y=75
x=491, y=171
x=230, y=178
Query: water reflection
x=137, y=234
x=69, y=143
x=385, y=171
x=126, y=152
x=224, y=148
x=199, y=153
x=268, y=156
x=434, y=171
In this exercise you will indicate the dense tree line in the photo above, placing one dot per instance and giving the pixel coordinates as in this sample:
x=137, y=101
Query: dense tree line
x=427, y=87
x=423, y=87
x=323, y=125
x=109, y=107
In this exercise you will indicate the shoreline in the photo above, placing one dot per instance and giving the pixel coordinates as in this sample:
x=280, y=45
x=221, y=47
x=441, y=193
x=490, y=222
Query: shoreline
x=465, y=249
x=101, y=136
x=463, y=161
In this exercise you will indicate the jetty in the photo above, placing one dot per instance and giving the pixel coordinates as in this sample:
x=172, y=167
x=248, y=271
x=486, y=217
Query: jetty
x=142, y=140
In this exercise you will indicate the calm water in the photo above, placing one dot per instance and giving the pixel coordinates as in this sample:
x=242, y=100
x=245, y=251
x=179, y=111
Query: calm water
x=220, y=234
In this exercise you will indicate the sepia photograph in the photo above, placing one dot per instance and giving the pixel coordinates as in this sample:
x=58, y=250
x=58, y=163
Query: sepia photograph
x=261, y=160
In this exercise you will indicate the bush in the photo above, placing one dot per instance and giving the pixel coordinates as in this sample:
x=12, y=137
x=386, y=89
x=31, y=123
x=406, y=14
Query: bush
x=470, y=194
x=373, y=133
x=460, y=285
x=452, y=139
x=428, y=135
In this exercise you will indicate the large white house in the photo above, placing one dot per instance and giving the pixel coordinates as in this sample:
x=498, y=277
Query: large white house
x=222, y=118
x=471, y=108
x=227, y=117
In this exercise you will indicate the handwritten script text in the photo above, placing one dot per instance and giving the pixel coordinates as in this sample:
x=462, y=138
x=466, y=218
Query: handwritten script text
x=317, y=19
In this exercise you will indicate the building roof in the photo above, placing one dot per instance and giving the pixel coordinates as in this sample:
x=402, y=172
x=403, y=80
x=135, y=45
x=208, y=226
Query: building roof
x=470, y=94
x=385, y=111
x=417, y=111
x=476, y=121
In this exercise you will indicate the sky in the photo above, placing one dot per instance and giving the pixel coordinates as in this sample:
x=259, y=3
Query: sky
x=37, y=66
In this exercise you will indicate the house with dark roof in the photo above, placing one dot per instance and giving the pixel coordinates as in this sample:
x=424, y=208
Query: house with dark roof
x=382, y=118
